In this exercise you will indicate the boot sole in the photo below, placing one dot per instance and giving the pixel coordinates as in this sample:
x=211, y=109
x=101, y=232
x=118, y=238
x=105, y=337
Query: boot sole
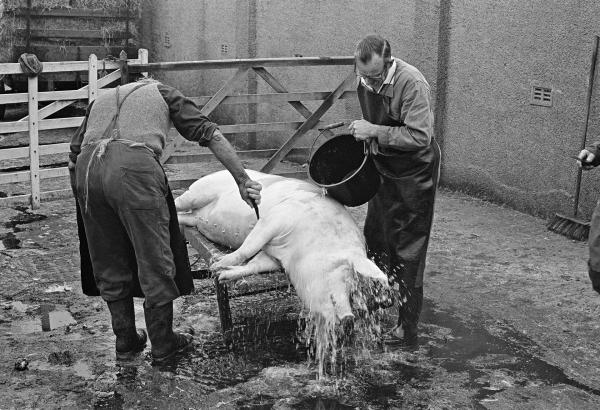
x=131, y=354
x=163, y=359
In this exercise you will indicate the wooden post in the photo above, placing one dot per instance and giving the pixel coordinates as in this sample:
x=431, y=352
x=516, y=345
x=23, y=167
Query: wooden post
x=34, y=153
x=143, y=57
x=124, y=68
x=224, y=312
x=92, y=78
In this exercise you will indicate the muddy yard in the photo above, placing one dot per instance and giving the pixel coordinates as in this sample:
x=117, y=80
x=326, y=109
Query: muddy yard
x=510, y=321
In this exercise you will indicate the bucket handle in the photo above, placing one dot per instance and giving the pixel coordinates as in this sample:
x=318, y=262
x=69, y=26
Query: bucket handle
x=322, y=130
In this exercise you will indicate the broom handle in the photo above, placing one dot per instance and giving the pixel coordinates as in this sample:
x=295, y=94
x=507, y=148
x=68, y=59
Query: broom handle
x=590, y=89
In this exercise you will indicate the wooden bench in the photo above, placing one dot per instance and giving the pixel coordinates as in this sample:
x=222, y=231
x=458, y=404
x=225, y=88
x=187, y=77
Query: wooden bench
x=207, y=251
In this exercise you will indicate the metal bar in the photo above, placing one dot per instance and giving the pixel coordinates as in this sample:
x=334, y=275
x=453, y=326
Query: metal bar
x=34, y=154
x=136, y=67
x=590, y=89
x=242, y=62
x=309, y=123
x=277, y=86
x=56, y=67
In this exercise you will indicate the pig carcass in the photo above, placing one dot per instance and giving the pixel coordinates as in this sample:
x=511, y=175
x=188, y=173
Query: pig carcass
x=311, y=236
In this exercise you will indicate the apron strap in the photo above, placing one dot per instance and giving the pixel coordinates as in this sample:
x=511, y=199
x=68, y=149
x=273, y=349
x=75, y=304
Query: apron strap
x=112, y=130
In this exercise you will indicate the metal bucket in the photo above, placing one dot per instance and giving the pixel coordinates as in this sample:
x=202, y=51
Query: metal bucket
x=345, y=169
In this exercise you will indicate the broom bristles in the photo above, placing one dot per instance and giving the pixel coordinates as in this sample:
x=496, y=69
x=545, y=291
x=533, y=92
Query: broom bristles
x=570, y=227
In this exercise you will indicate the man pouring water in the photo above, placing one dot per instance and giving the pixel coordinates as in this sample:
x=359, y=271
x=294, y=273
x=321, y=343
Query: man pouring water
x=398, y=126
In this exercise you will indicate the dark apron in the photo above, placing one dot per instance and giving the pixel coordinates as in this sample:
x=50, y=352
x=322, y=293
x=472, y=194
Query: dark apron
x=400, y=216
x=183, y=275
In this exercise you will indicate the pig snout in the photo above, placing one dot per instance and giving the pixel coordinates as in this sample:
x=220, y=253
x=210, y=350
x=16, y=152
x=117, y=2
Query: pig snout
x=347, y=324
x=371, y=295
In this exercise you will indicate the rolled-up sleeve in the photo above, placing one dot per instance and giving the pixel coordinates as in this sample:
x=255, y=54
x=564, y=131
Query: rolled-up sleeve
x=417, y=116
x=186, y=116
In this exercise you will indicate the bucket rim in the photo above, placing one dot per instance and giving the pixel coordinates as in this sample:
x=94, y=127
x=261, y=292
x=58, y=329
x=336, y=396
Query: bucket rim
x=364, y=161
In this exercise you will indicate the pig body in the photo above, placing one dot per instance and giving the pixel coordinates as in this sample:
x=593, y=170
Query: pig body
x=311, y=236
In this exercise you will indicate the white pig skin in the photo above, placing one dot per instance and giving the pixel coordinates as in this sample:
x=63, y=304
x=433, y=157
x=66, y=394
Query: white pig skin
x=314, y=238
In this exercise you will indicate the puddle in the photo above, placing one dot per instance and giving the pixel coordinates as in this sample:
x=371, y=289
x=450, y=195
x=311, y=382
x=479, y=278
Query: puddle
x=473, y=364
x=321, y=404
x=50, y=320
x=472, y=349
x=23, y=218
x=213, y=366
x=60, y=318
x=58, y=288
x=16, y=306
x=79, y=368
x=9, y=241
x=112, y=401
x=25, y=327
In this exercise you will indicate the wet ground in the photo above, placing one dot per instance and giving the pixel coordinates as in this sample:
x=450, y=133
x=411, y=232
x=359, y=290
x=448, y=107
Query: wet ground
x=510, y=321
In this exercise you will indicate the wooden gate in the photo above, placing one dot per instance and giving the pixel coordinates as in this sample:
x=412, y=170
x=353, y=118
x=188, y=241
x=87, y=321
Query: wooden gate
x=123, y=69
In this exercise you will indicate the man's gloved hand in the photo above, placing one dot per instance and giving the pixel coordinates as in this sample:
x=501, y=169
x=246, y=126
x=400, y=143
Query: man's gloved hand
x=595, y=278
x=250, y=190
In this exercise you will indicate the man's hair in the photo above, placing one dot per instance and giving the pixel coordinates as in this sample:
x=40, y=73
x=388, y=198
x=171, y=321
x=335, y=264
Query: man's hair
x=371, y=45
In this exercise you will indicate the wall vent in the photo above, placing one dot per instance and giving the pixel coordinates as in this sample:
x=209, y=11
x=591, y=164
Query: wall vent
x=224, y=48
x=541, y=96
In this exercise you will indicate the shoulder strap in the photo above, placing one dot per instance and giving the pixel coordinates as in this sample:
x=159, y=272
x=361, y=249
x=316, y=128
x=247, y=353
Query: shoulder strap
x=112, y=130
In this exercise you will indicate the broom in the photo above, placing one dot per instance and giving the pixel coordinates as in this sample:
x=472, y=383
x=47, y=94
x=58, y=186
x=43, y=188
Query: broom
x=571, y=226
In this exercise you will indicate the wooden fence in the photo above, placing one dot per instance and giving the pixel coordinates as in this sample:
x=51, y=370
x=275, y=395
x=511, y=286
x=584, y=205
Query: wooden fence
x=122, y=69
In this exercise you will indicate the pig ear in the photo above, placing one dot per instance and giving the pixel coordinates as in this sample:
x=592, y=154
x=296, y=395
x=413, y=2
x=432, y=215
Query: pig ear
x=367, y=268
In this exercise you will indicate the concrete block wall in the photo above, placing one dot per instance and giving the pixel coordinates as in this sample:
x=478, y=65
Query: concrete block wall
x=210, y=29
x=495, y=142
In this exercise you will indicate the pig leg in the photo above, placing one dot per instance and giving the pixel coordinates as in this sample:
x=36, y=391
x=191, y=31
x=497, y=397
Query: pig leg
x=187, y=219
x=258, y=237
x=189, y=200
x=259, y=264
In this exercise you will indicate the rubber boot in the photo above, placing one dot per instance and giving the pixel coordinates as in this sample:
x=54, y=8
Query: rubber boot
x=408, y=314
x=129, y=340
x=165, y=342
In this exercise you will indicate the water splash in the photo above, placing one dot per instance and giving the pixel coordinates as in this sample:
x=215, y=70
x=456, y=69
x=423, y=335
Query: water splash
x=331, y=342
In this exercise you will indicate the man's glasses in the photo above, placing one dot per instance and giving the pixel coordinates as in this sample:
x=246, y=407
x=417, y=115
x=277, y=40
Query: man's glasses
x=377, y=77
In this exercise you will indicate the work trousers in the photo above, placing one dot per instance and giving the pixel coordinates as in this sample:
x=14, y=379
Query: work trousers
x=122, y=196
